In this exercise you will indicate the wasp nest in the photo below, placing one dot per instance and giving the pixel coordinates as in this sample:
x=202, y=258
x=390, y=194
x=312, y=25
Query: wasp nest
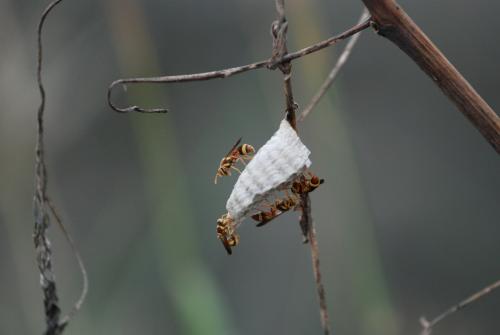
x=273, y=168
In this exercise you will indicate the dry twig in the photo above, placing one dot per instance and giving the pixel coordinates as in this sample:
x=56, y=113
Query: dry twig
x=307, y=221
x=85, y=286
x=278, y=31
x=392, y=22
x=42, y=243
x=54, y=324
x=427, y=326
x=224, y=73
x=336, y=69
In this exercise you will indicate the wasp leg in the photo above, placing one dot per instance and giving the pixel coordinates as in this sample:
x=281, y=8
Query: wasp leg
x=295, y=198
x=235, y=168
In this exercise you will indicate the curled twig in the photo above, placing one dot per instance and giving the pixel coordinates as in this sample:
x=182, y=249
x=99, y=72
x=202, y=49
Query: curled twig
x=224, y=73
x=54, y=324
x=427, y=326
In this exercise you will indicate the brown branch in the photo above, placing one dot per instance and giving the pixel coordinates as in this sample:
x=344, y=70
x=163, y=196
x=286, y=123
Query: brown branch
x=336, y=69
x=54, y=324
x=307, y=224
x=279, y=29
x=393, y=23
x=278, y=32
x=226, y=72
x=427, y=326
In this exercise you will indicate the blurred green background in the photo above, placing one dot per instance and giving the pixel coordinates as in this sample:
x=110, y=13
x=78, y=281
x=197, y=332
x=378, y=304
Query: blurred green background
x=407, y=221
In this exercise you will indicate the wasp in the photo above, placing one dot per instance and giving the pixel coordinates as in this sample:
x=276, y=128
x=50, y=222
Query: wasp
x=287, y=203
x=306, y=184
x=237, y=153
x=226, y=233
x=266, y=216
x=277, y=208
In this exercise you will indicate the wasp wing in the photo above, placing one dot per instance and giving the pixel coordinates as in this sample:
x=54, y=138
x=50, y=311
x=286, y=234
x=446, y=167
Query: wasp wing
x=234, y=147
x=226, y=245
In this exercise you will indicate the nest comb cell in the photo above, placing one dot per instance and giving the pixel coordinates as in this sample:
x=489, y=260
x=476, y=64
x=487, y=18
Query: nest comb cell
x=273, y=168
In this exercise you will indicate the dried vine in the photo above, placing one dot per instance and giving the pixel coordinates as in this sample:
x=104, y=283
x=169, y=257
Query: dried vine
x=41, y=203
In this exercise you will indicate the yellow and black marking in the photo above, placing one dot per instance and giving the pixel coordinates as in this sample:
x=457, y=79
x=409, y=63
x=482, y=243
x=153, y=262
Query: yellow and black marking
x=285, y=204
x=236, y=153
x=306, y=185
x=226, y=233
x=265, y=216
x=245, y=150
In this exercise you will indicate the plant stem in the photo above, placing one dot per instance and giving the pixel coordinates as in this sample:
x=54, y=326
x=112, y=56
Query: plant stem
x=390, y=21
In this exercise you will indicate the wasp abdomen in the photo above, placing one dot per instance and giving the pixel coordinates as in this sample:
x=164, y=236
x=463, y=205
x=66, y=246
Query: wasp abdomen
x=245, y=149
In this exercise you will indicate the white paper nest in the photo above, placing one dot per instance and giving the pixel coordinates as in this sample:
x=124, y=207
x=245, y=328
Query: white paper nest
x=273, y=168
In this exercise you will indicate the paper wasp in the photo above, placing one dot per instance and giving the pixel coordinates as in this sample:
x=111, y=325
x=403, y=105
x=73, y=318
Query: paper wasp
x=305, y=185
x=237, y=152
x=264, y=217
x=287, y=203
x=302, y=185
x=226, y=233
x=277, y=208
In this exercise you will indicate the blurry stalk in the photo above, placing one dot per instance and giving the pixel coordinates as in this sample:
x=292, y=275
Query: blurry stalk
x=20, y=303
x=186, y=279
x=373, y=310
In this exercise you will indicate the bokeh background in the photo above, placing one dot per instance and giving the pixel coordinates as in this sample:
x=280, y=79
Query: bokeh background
x=408, y=219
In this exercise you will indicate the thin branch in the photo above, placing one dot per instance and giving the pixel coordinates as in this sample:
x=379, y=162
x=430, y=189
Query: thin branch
x=226, y=72
x=336, y=69
x=42, y=243
x=392, y=22
x=54, y=324
x=427, y=326
x=85, y=281
x=278, y=32
x=307, y=224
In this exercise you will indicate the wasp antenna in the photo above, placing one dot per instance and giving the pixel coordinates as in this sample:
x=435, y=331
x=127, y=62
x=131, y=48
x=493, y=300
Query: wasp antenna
x=321, y=181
